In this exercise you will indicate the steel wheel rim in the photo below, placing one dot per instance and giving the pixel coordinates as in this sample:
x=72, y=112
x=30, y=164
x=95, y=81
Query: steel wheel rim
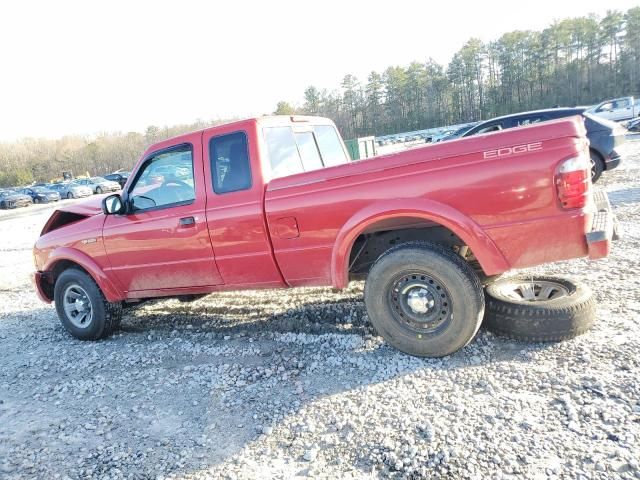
x=530, y=291
x=420, y=302
x=77, y=306
x=593, y=167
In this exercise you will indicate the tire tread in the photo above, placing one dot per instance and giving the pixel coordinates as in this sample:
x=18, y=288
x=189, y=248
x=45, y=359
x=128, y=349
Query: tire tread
x=542, y=322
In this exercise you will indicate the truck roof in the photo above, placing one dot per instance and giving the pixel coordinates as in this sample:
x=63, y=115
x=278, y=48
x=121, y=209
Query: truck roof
x=266, y=120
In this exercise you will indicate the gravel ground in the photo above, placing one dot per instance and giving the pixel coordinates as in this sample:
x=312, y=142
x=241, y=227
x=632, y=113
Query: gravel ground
x=283, y=384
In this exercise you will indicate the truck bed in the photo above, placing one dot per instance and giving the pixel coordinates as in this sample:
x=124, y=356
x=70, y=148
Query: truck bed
x=495, y=191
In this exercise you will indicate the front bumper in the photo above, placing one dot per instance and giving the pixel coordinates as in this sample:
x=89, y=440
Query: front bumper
x=604, y=228
x=43, y=285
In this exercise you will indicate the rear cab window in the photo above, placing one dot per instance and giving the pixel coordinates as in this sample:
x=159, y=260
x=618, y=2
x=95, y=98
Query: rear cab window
x=302, y=148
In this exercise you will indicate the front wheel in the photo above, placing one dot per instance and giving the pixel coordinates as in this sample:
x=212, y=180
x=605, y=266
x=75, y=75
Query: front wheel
x=98, y=190
x=424, y=299
x=82, y=308
x=69, y=195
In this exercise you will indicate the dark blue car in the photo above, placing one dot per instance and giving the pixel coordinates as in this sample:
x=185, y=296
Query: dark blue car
x=605, y=137
x=41, y=194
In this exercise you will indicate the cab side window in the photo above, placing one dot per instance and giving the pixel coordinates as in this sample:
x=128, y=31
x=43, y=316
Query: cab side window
x=230, y=169
x=165, y=180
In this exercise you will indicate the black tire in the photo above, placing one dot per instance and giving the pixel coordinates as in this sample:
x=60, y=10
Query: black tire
x=3, y=206
x=35, y=200
x=105, y=317
x=543, y=320
x=98, y=190
x=597, y=166
x=439, y=272
x=69, y=195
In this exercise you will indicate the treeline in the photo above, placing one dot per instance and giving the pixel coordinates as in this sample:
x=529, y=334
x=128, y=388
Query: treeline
x=43, y=160
x=576, y=61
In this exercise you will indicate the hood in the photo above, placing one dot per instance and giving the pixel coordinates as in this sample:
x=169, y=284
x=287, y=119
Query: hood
x=88, y=208
x=73, y=213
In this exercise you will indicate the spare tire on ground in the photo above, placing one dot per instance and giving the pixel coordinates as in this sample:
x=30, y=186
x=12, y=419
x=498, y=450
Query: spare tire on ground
x=539, y=308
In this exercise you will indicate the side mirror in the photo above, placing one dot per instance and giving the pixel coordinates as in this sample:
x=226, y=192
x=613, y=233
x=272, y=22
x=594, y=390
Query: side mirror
x=112, y=204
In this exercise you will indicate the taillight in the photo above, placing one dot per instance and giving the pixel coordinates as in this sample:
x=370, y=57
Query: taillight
x=573, y=180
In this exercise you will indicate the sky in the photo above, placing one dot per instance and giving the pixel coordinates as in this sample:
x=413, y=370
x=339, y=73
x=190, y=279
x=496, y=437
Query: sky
x=86, y=67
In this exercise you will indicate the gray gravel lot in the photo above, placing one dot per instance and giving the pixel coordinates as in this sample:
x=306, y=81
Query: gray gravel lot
x=283, y=384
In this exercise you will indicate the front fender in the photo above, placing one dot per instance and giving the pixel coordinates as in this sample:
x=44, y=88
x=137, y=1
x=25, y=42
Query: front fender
x=484, y=249
x=110, y=291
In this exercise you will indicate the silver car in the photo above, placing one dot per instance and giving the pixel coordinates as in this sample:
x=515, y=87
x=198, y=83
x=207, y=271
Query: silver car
x=99, y=184
x=71, y=190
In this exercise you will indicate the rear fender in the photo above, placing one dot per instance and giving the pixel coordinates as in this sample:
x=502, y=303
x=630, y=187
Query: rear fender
x=484, y=249
x=110, y=291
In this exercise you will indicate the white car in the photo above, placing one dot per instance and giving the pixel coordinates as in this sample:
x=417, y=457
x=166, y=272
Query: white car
x=617, y=109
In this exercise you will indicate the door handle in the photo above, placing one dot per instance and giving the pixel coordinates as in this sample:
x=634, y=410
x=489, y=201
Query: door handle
x=187, y=222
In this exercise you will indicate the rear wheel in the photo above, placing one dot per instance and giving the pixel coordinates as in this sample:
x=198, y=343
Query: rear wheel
x=82, y=308
x=424, y=299
x=98, y=190
x=69, y=195
x=597, y=166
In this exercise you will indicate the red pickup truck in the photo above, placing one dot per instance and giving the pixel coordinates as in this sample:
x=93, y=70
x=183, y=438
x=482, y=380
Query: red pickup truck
x=275, y=202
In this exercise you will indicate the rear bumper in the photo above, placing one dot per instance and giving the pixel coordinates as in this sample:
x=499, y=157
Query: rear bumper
x=613, y=160
x=43, y=285
x=604, y=227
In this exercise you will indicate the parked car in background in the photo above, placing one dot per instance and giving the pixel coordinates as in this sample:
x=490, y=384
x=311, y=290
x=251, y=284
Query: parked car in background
x=605, y=137
x=120, y=177
x=457, y=133
x=99, y=184
x=41, y=194
x=634, y=125
x=617, y=109
x=13, y=199
x=440, y=136
x=72, y=190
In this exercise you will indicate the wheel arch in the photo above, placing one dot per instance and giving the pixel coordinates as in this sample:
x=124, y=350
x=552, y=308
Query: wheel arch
x=380, y=213
x=64, y=258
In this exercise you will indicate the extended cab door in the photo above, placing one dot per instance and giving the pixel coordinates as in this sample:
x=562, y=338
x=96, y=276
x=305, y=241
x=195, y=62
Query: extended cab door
x=162, y=243
x=235, y=206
